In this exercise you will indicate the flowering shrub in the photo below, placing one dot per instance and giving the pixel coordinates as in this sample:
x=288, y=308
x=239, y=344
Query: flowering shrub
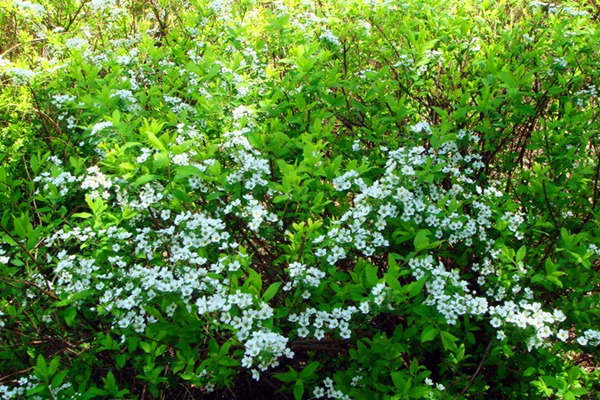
x=238, y=199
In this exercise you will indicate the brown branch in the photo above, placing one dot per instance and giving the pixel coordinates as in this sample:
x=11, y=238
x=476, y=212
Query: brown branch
x=29, y=283
x=483, y=358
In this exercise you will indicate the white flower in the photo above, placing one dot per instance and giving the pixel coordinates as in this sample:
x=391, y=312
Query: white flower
x=100, y=126
x=181, y=159
x=328, y=36
x=319, y=392
x=496, y=322
x=421, y=127
x=364, y=307
x=240, y=112
x=20, y=76
x=563, y=335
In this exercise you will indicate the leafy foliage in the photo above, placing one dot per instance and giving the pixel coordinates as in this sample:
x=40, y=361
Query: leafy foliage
x=296, y=199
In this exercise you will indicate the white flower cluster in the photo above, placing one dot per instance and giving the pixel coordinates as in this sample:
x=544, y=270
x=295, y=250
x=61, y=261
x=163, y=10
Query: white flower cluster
x=29, y=9
x=198, y=230
x=127, y=59
x=527, y=314
x=263, y=349
x=129, y=101
x=338, y=319
x=400, y=194
x=379, y=292
x=76, y=43
x=149, y=195
x=592, y=248
x=63, y=181
x=434, y=55
x=59, y=100
x=124, y=288
x=252, y=209
x=19, y=391
x=584, y=95
x=101, y=5
x=251, y=168
x=4, y=259
x=76, y=232
x=328, y=36
x=100, y=126
x=421, y=127
x=404, y=60
x=590, y=337
x=240, y=111
x=74, y=274
x=304, y=276
x=97, y=182
x=561, y=62
x=146, y=153
x=178, y=106
x=554, y=8
x=344, y=182
x=181, y=159
x=222, y=8
x=452, y=298
x=20, y=76
x=328, y=391
x=515, y=222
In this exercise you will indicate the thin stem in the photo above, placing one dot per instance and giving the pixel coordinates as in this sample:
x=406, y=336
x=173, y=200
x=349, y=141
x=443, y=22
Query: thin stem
x=485, y=355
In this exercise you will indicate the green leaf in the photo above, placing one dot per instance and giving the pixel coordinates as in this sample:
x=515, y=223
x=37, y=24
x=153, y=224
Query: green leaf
x=271, y=291
x=53, y=367
x=299, y=389
x=69, y=315
x=309, y=370
x=213, y=346
x=151, y=130
x=401, y=382
x=147, y=347
x=392, y=281
x=109, y=381
x=19, y=227
x=145, y=179
x=82, y=215
x=32, y=240
x=429, y=333
x=448, y=340
x=59, y=378
x=417, y=287
x=121, y=359
x=287, y=377
x=579, y=391
x=569, y=396
x=418, y=392
x=520, y=254
x=35, y=165
x=254, y=281
x=421, y=240
x=36, y=389
x=41, y=368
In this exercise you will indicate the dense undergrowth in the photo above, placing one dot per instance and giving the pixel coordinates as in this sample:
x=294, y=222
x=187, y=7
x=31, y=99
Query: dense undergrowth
x=299, y=199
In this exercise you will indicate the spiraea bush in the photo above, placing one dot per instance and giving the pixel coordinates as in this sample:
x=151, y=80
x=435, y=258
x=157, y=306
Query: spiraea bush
x=353, y=199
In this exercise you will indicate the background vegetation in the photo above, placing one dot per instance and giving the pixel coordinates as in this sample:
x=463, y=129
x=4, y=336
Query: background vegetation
x=299, y=199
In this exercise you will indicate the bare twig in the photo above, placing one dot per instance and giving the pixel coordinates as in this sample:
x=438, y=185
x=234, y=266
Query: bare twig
x=483, y=358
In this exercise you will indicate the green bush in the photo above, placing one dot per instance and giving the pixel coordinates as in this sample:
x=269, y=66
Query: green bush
x=298, y=199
